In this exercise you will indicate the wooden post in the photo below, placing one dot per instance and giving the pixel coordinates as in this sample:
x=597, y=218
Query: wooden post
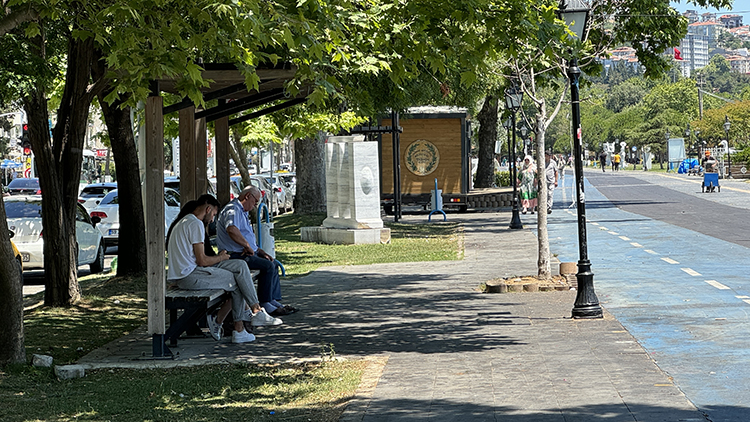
x=154, y=218
x=188, y=190
x=201, y=158
x=222, y=158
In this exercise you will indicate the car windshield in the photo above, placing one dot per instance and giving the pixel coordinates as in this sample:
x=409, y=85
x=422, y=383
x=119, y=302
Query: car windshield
x=96, y=191
x=23, y=209
x=24, y=183
x=110, y=199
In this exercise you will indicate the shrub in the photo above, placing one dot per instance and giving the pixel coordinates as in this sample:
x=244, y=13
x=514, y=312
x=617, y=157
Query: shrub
x=502, y=178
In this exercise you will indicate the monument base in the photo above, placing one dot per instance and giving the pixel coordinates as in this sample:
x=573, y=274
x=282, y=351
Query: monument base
x=333, y=236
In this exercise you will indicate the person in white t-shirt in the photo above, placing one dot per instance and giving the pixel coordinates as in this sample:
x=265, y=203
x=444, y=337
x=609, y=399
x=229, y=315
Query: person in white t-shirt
x=191, y=269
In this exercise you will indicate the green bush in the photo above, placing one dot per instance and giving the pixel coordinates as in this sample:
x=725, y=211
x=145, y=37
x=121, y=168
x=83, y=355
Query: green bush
x=502, y=178
x=743, y=153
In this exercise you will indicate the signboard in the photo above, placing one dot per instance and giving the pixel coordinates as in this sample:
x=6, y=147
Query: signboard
x=101, y=152
x=676, y=150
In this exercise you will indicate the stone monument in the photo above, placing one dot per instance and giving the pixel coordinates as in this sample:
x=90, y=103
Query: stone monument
x=352, y=195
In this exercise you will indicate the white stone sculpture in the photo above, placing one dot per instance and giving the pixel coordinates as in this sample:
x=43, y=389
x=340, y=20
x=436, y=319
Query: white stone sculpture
x=352, y=194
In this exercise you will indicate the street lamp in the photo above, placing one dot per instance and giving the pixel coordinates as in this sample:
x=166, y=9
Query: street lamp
x=525, y=141
x=575, y=14
x=729, y=154
x=513, y=99
x=687, y=136
x=507, y=125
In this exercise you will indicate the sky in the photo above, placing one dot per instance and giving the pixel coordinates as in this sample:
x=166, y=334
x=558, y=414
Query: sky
x=741, y=7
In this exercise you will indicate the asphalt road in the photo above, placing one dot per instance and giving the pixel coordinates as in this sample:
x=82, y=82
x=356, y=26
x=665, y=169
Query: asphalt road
x=33, y=280
x=670, y=263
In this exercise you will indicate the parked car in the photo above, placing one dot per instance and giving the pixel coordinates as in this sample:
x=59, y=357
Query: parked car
x=266, y=189
x=24, y=186
x=24, y=216
x=108, y=211
x=173, y=182
x=290, y=181
x=283, y=196
x=17, y=255
x=234, y=191
x=92, y=194
x=237, y=181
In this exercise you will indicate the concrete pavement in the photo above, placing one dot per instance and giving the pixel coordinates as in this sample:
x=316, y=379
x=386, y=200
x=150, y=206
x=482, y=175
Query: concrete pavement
x=452, y=352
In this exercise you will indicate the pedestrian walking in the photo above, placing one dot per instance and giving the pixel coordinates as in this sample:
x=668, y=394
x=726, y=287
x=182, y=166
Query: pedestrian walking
x=603, y=160
x=528, y=185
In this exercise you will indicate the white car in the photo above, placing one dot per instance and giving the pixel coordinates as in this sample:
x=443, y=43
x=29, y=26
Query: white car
x=92, y=194
x=24, y=216
x=108, y=211
x=281, y=192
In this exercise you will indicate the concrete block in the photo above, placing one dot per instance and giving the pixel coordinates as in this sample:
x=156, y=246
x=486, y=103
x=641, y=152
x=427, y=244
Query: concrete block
x=68, y=372
x=333, y=236
x=568, y=268
x=42, y=361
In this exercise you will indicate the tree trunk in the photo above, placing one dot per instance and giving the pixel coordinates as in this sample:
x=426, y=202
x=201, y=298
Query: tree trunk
x=543, y=261
x=131, y=255
x=486, y=138
x=239, y=157
x=11, y=302
x=310, y=157
x=60, y=162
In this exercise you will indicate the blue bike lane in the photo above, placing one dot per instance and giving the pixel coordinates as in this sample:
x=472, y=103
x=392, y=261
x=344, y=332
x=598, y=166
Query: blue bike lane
x=683, y=295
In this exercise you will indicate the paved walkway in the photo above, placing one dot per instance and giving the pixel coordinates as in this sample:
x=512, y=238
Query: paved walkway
x=451, y=352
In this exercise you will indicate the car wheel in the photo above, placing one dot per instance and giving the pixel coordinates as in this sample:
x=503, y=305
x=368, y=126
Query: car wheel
x=98, y=265
x=20, y=271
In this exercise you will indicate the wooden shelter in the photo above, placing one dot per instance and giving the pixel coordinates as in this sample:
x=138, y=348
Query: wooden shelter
x=227, y=85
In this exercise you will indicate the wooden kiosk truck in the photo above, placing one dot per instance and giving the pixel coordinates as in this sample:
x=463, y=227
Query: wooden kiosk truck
x=435, y=144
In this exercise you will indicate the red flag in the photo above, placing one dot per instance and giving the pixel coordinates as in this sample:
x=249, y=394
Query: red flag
x=677, y=54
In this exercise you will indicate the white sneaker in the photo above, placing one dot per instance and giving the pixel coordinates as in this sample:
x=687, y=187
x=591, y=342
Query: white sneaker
x=214, y=327
x=262, y=318
x=242, y=337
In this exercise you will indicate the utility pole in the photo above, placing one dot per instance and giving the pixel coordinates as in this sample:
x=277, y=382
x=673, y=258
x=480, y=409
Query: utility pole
x=700, y=84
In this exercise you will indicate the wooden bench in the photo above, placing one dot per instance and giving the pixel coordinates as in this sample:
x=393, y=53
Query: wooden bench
x=195, y=305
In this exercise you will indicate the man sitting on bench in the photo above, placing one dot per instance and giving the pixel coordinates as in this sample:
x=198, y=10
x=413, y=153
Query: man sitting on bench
x=234, y=233
x=191, y=269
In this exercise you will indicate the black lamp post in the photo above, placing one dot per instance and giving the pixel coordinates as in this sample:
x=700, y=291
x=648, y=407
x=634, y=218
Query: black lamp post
x=513, y=98
x=507, y=125
x=575, y=14
x=729, y=154
x=526, y=143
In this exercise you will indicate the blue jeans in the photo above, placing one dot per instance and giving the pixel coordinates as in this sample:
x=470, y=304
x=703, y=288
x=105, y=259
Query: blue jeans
x=269, y=285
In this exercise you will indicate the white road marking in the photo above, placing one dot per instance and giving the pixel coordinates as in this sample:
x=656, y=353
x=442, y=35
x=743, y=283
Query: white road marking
x=691, y=271
x=594, y=224
x=625, y=238
x=614, y=233
x=742, y=297
x=636, y=244
x=716, y=284
x=746, y=301
x=669, y=261
x=650, y=251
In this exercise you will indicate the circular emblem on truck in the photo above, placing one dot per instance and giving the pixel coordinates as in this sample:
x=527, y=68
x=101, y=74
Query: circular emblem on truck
x=422, y=157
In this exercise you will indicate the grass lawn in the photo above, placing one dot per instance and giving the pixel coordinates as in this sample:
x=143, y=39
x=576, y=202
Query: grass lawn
x=112, y=307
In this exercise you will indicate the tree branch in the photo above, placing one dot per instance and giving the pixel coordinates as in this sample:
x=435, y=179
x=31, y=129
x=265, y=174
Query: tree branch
x=16, y=18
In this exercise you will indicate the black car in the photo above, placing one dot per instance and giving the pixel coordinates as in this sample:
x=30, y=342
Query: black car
x=23, y=186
